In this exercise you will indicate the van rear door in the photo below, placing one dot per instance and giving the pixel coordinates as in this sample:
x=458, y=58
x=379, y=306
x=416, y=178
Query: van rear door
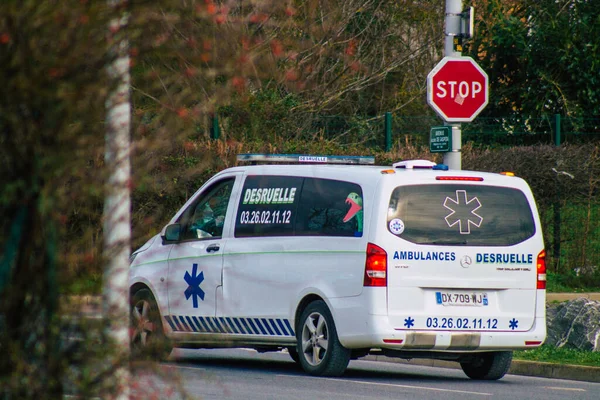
x=463, y=257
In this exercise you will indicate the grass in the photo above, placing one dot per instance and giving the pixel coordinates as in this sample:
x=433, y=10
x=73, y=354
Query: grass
x=569, y=283
x=551, y=354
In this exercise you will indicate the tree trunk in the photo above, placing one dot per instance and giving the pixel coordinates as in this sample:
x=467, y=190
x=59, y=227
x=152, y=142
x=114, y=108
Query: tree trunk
x=117, y=227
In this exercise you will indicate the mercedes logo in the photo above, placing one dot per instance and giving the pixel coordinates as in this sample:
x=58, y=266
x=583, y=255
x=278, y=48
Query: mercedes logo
x=466, y=261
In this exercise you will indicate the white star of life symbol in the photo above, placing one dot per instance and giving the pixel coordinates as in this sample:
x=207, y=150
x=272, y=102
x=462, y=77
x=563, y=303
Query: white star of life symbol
x=462, y=212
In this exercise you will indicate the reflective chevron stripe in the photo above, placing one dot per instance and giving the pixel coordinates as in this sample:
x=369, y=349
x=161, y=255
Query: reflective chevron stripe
x=229, y=325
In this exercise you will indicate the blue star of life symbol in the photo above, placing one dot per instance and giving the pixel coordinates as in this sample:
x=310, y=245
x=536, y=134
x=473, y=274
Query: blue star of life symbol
x=462, y=212
x=194, y=282
x=396, y=226
x=513, y=324
x=409, y=322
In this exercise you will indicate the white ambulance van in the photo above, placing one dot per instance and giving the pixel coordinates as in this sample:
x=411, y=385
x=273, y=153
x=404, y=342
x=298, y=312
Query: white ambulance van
x=334, y=262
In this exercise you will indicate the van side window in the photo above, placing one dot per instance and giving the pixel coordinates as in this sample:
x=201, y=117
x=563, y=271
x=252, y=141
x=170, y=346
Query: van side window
x=330, y=208
x=204, y=218
x=268, y=206
x=288, y=206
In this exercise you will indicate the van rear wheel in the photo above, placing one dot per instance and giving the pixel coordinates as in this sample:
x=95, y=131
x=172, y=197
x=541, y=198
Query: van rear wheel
x=319, y=349
x=488, y=366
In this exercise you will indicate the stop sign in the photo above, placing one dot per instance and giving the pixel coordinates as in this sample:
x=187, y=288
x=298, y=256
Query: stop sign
x=457, y=89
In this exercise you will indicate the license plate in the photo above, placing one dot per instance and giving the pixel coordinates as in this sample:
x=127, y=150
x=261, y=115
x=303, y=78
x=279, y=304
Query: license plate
x=477, y=299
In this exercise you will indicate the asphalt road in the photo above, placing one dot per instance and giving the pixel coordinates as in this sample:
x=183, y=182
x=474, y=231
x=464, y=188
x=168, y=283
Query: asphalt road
x=246, y=374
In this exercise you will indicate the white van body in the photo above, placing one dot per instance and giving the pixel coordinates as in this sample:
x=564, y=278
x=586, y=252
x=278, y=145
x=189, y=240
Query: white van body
x=334, y=262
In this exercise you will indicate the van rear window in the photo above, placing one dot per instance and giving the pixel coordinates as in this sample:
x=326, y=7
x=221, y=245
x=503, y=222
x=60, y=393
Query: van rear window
x=460, y=214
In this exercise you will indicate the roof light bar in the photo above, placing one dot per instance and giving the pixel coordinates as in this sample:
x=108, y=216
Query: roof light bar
x=306, y=159
x=414, y=164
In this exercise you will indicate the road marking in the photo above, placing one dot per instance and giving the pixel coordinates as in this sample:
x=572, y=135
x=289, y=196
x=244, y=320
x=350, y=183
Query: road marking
x=563, y=388
x=391, y=385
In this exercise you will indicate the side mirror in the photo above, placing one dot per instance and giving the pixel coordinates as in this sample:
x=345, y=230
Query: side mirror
x=172, y=233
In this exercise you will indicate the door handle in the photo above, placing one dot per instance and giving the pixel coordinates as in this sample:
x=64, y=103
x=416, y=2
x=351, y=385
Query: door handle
x=212, y=247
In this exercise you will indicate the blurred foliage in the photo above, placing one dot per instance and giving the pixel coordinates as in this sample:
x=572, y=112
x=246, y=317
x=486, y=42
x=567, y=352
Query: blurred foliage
x=256, y=62
x=542, y=56
x=52, y=57
x=278, y=74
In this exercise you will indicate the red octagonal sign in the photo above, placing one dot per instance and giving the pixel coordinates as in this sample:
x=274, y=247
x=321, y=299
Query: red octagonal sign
x=457, y=89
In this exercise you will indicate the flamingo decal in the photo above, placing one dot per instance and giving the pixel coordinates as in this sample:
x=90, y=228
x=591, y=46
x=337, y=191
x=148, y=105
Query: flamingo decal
x=356, y=210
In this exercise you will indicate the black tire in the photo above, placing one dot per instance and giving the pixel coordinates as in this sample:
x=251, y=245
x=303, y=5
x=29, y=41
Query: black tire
x=148, y=340
x=488, y=366
x=319, y=350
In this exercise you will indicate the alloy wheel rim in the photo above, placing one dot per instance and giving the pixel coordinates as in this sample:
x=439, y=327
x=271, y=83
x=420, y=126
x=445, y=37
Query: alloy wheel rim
x=315, y=339
x=142, y=324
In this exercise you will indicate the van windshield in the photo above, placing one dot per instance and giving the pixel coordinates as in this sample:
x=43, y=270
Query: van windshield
x=460, y=214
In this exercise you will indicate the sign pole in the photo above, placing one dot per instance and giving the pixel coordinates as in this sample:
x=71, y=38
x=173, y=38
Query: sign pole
x=457, y=87
x=453, y=31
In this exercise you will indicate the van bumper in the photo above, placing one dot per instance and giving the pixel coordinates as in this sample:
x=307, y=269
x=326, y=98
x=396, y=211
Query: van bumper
x=358, y=327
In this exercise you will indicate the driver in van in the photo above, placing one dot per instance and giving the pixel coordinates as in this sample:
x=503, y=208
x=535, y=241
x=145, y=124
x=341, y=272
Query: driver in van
x=209, y=218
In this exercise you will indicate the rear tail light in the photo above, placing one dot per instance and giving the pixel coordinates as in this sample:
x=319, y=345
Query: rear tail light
x=375, y=266
x=393, y=341
x=533, y=343
x=541, y=270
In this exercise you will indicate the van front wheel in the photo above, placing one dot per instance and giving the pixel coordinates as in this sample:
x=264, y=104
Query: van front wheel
x=319, y=349
x=488, y=366
x=147, y=337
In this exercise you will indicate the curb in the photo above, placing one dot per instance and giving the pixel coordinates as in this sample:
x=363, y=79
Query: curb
x=556, y=371
x=518, y=367
x=552, y=297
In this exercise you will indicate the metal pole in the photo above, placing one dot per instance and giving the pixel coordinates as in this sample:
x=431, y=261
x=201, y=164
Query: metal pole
x=453, y=10
x=388, y=131
x=215, y=131
x=557, y=129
